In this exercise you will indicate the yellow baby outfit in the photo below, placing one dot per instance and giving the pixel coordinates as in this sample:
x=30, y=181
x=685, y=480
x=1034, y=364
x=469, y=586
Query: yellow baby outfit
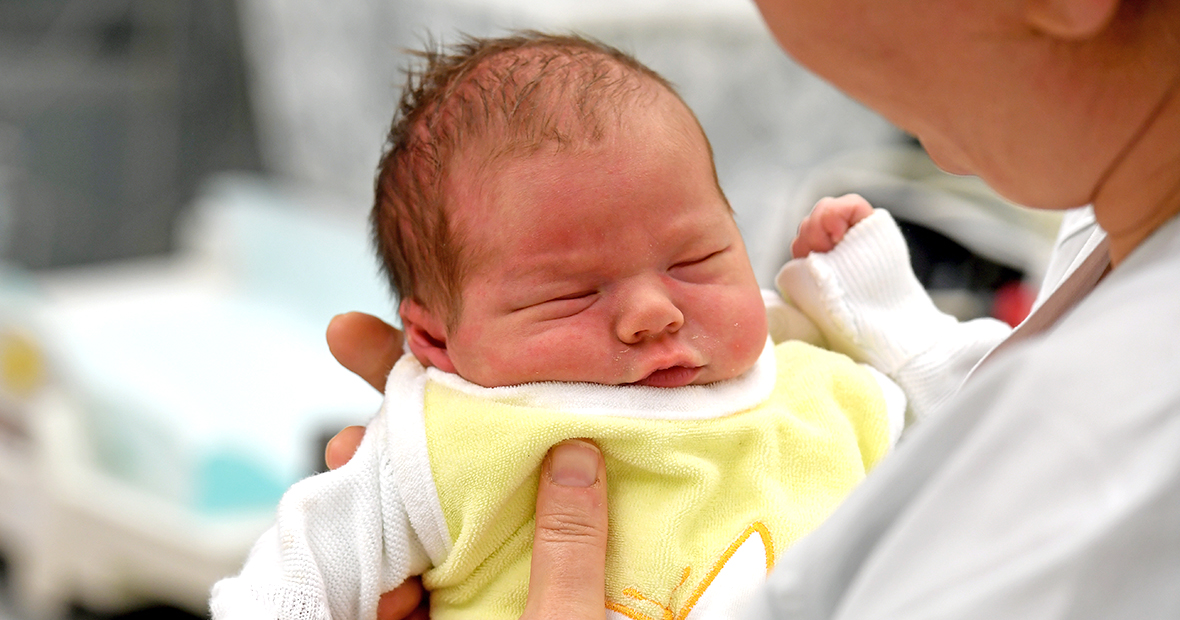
x=706, y=483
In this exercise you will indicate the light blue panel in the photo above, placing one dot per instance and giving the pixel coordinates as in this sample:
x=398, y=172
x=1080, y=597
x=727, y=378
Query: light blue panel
x=232, y=481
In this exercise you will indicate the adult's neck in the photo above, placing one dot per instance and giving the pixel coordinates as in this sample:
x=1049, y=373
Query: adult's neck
x=1141, y=192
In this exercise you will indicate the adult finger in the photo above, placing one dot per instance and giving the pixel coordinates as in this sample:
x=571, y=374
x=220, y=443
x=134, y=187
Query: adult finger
x=341, y=447
x=366, y=345
x=568, y=578
x=404, y=602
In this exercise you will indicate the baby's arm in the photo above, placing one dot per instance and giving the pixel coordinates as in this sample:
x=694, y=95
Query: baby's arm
x=340, y=539
x=863, y=296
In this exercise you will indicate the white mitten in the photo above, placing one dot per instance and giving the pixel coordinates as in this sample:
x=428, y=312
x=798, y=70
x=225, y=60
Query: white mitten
x=786, y=322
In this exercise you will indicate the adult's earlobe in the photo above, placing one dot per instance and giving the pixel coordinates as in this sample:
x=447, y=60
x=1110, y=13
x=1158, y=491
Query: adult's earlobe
x=1072, y=20
x=426, y=335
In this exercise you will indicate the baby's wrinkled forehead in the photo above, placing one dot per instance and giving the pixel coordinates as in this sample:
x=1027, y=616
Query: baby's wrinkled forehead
x=518, y=101
x=524, y=102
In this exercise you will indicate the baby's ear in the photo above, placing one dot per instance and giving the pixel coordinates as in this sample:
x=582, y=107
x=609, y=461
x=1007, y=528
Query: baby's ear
x=426, y=335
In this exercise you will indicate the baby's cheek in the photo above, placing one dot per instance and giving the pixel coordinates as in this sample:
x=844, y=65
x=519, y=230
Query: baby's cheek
x=564, y=355
x=747, y=336
x=496, y=359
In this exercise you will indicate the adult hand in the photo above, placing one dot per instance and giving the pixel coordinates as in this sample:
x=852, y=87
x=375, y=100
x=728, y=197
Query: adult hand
x=366, y=345
x=568, y=574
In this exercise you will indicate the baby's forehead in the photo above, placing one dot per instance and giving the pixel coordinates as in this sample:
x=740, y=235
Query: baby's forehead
x=524, y=193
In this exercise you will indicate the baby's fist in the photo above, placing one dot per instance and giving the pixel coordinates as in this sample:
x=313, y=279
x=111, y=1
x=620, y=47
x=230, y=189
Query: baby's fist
x=829, y=220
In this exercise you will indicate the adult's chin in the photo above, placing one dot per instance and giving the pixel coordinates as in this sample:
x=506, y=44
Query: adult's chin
x=946, y=159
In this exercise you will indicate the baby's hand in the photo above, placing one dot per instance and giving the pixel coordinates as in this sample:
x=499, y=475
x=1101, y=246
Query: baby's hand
x=829, y=220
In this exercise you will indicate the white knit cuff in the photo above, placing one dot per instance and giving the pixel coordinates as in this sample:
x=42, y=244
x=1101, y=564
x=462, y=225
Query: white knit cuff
x=864, y=296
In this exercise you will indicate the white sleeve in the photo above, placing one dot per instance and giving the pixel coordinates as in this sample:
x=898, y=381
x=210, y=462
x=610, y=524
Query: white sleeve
x=340, y=540
x=785, y=322
x=895, y=403
x=865, y=299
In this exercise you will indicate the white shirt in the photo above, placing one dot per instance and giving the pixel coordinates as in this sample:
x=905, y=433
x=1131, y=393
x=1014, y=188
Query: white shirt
x=1047, y=487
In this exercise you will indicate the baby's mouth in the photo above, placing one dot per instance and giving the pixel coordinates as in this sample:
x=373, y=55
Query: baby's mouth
x=676, y=376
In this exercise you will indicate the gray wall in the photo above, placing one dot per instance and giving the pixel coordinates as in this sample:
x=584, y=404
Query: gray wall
x=111, y=111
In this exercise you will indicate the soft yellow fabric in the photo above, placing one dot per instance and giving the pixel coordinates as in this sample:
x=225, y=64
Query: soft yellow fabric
x=681, y=491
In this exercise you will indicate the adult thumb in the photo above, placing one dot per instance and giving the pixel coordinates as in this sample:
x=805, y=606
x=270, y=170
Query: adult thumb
x=568, y=578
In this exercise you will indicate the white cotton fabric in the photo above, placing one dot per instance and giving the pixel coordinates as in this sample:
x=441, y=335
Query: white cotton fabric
x=340, y=539
x=1047, y=488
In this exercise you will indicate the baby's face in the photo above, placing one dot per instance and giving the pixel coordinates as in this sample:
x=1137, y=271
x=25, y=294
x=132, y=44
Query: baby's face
x=621, y=265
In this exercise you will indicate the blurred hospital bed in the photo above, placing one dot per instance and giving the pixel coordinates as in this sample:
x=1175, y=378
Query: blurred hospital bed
x=157, y=409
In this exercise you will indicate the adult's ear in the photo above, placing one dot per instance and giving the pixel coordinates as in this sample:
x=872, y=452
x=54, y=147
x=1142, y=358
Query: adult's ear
x=426, y=334
x=1070, y=19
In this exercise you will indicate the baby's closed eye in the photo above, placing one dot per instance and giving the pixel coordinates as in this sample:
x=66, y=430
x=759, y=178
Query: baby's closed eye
x=699, y=268
x=565, y=305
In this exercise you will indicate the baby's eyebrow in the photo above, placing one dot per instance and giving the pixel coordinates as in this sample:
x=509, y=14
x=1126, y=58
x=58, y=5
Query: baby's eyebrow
x=546, y=276
x=563, y=265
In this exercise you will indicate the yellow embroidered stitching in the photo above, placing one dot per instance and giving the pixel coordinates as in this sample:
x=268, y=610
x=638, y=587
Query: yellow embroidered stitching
x=667, y=612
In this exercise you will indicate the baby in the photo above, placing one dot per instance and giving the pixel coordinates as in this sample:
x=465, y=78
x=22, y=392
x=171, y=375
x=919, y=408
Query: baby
x=549, y=215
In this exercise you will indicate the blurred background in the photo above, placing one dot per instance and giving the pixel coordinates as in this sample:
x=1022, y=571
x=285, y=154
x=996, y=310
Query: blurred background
x=184, y=187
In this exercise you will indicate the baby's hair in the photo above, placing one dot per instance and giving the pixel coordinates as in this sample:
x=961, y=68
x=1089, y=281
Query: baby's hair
x=469, y=106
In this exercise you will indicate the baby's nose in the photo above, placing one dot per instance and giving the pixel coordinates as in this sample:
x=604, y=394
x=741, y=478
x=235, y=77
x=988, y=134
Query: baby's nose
x=648, y=311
